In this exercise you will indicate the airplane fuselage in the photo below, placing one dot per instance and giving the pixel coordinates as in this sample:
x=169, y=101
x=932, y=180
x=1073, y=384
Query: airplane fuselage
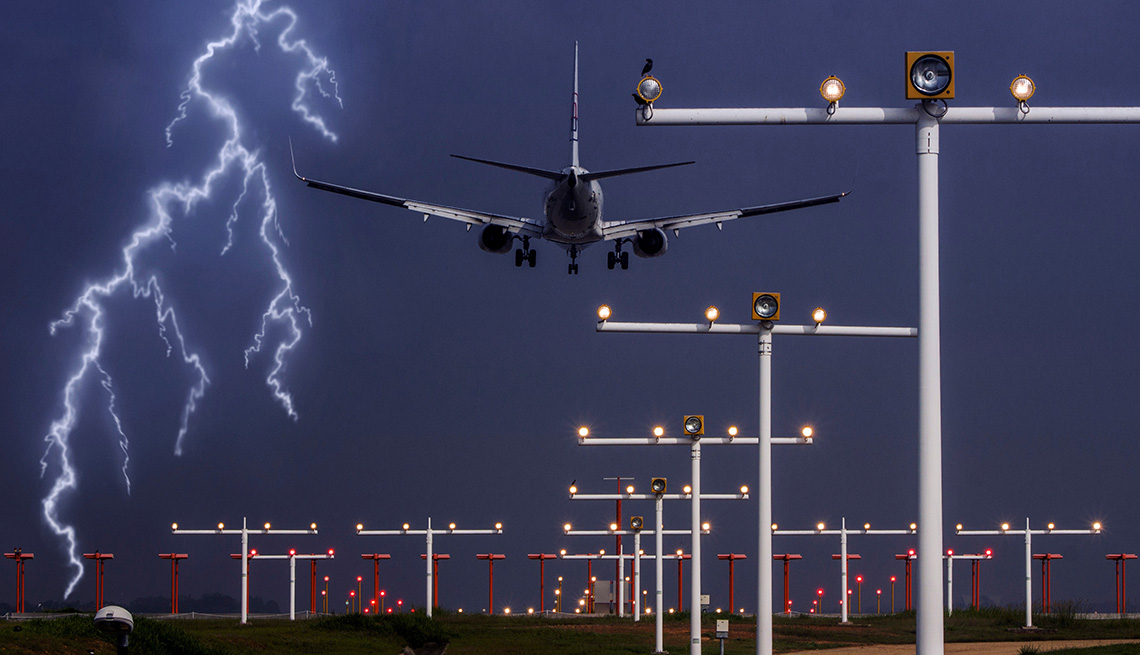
x=573, y=209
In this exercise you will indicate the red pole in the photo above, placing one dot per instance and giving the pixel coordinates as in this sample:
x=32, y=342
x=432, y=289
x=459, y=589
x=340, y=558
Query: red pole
x=376, y=557
x=491, y=557
x=590, y=586
x=1046, y=579
x=732, y=557
x=19, y=555
x=99, y=561
x=909, y=557
x=975, y=584
x=312, y=586
x=786, y=558
x=174, y=558
x=541, y=557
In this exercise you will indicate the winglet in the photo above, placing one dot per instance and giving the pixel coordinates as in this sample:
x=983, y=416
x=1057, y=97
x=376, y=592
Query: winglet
x=294, y=158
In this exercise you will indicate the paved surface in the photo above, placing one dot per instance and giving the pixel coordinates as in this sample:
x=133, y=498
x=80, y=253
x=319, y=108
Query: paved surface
x=990, y=648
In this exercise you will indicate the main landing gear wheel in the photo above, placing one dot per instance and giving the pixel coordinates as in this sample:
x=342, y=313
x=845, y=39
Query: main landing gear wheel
x=617, y=257
x=525, y=254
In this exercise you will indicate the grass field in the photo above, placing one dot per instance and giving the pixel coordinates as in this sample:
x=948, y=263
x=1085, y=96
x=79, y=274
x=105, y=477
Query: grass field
x=498, y=635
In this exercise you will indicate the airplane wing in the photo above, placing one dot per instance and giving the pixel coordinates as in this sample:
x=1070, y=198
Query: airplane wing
x=515, y=225
x=628, y=229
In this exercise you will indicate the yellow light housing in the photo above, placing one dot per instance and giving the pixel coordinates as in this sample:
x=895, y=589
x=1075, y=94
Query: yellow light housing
x=604, y=312
x=1022, y=88
x=765, y=306
x=832, y=89
x=649, y=88
x=694, y=425
x=658, y=485
x=930, y=75
x=712, y=313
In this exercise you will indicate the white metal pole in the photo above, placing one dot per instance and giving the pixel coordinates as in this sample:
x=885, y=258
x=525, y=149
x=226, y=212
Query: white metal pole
x=659, y=537
x=621, y=582
x=695, y=549
x=430, y=600
x=1028, y=575
x=764, y=488
x=292, y=588
x=929, y=617
x=637, y=576
x=842, y=571
x=949, y=585
x=244, y=572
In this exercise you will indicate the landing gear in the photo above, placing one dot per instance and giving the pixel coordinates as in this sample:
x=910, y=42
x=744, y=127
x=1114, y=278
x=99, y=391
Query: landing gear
x=525, y=254
x=617, y=257
x=573, y=269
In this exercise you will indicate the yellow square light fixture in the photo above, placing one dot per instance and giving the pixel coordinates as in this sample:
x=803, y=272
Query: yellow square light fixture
x=930, y=75
x=765, y=306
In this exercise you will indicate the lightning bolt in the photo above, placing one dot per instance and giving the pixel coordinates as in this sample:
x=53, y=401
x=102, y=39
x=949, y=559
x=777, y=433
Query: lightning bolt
x=234, y=158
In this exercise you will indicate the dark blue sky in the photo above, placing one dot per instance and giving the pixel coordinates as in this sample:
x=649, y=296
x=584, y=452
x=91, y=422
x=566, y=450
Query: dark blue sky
x=438, y=380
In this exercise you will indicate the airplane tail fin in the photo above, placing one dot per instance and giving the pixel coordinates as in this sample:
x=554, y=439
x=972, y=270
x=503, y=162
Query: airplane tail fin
x=574, y=113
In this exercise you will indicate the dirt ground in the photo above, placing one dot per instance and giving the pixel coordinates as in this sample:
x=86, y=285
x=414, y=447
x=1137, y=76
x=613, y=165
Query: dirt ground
x=990, y=648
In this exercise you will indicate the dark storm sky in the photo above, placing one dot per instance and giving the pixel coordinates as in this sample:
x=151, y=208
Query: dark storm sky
x=437, y=380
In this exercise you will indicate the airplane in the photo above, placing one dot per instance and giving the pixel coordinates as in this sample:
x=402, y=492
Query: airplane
x=572, y=211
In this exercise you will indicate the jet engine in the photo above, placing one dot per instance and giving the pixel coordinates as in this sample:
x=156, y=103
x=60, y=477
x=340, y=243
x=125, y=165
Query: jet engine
x=496, y=239
x=650, y=243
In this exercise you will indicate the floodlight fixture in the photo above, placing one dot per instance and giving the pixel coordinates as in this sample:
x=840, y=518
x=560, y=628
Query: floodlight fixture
x=604, y=312
x=930, y=75
x=694, y=425
x=1022, y=88
x=649, y=89
x=658, y=485
x=765, y=306
x=636, y=522
x=832, y=91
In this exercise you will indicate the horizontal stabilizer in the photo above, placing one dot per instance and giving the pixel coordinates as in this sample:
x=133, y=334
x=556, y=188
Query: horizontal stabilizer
x=601, y=175
x=540, y=172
